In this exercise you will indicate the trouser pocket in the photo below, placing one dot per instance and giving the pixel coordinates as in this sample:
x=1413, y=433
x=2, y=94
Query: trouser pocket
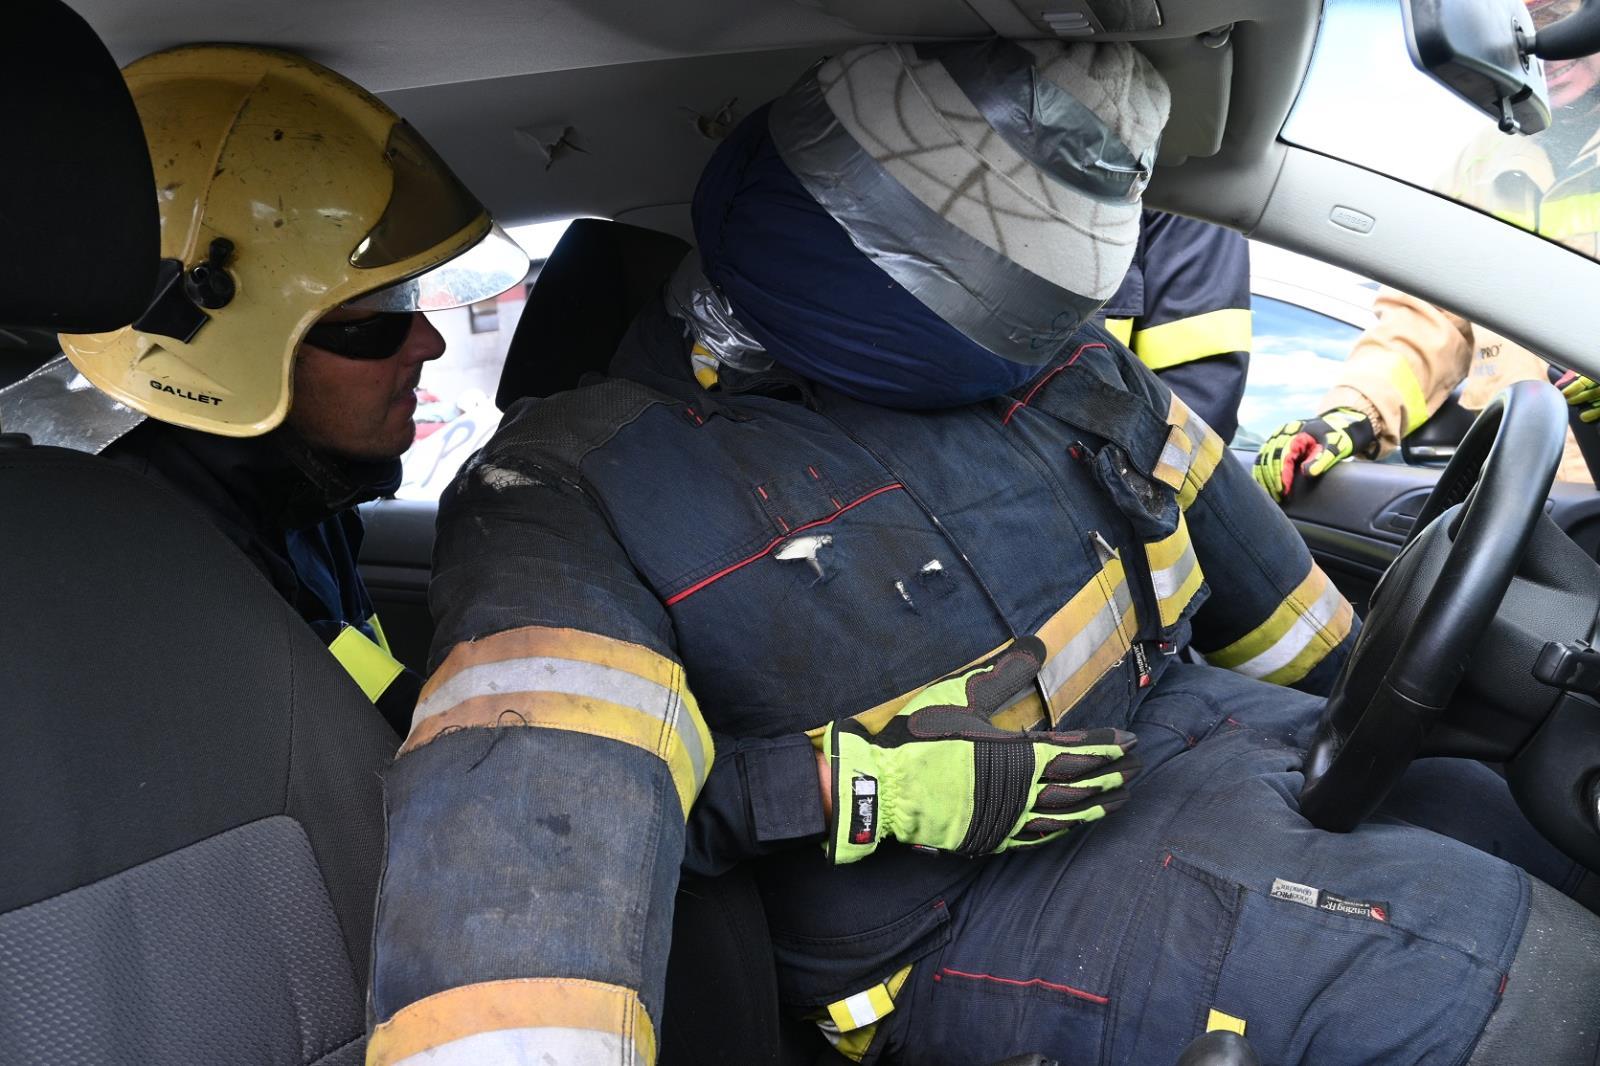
x=1310, y=975
x=1324, y=978
x=1169, y=963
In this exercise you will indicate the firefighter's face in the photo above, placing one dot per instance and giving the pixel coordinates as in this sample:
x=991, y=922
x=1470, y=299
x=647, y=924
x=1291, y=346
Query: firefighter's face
x=361, y=408
x=1570, y=80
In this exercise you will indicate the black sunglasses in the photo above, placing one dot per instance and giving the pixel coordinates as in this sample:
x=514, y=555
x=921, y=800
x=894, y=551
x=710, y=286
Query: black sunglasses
x=377, y=337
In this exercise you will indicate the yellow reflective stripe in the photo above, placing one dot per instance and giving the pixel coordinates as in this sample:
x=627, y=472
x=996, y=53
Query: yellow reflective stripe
x=1218, y=1022
x=1404, y=379
x=1173, y=462
x=546, y=678
x=1174, y=572
x=1083, y=640
x=1570, y=216
x=1301, y=631
x=576, y=714
x=370, y=666
x=1206, y=449
x=861, y=1009
x=1120, y=328
x=1087, y=638
x=838, y=1022
x=383, y=638
x=1196, y=337
x=1023, y=712
x=578, y=644
x=706, y=369
x=537, y=1013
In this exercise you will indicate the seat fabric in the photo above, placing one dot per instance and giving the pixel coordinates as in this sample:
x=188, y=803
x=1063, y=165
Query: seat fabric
x=190, y=803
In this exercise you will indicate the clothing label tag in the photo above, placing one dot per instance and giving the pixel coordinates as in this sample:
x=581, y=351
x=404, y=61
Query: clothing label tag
x=1307, y=896
x=863, y=809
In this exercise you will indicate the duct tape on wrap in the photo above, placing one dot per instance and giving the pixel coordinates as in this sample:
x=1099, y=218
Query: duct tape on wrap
x=1006, y=308
x=56, y=406
x=691, y=296
x=1042, y=122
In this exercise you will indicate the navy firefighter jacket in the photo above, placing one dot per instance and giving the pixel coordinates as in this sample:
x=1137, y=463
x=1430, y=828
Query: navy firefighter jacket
x=686, y=572
x=1184, y=310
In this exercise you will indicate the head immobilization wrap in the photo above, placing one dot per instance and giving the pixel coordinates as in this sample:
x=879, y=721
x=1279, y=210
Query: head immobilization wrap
x=924, y=226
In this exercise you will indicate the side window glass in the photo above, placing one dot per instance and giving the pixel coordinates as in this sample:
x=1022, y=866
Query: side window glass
x=1295, y=356
x=1306, y=316
x=456, y=413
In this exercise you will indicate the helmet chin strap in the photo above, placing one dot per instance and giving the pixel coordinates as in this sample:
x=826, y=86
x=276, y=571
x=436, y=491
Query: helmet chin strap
x=333, y=483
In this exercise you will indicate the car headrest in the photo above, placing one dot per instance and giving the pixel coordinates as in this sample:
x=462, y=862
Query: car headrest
x=79, y=233
x=597, y=278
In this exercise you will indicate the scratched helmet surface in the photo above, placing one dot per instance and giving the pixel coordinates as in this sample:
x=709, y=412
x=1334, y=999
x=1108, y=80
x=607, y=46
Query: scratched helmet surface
x=285, y=190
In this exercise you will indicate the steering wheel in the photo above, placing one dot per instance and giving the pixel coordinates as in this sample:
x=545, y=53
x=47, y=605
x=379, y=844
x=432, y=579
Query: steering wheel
x=1461, y=557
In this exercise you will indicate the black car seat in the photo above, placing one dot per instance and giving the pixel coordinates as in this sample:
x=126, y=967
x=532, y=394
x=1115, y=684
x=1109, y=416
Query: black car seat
x=190, y=808
x=190, y=812
x=79, y=231
x=597, y=277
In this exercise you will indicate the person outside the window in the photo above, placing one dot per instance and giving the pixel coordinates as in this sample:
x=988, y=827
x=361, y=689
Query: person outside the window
x=1184, y=309
x=892, y=610
x=272, y=378
x=1403, y=368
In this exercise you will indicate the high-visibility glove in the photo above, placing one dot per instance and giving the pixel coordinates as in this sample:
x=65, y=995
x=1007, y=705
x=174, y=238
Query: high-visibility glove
x=943, y=777
x=1583, y=393
x=1311, y=448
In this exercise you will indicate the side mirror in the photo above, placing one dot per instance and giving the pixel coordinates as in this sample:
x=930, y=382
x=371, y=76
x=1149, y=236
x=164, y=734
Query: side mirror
x=1481, y=51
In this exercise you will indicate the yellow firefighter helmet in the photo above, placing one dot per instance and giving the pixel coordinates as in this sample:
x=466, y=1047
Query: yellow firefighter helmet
x=285, y=191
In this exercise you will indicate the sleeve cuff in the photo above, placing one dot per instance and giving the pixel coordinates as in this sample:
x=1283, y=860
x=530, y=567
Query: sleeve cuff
x=785, y=797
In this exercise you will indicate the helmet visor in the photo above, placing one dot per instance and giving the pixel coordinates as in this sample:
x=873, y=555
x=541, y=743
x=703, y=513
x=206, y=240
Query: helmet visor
x=488, y=268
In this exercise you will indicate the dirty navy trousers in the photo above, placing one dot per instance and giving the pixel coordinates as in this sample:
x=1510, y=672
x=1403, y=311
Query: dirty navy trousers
x=648, y=595
x=1207, y=901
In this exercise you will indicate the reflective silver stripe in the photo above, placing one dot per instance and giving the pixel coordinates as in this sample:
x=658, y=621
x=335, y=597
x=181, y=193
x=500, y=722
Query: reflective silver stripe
x=1008, y=309
x=572, y=677
x=1041, y=121
x=1196, y=430
x=1168, y=581
x=543, y=1046
x=56, y=405
x=1081, y=648
x=1302, y=632
x=1176, y=457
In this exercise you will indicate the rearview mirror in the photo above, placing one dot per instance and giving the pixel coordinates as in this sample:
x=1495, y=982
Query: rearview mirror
x=1477, y=49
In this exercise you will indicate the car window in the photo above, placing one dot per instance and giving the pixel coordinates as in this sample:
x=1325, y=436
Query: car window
x=1295, y=355
x=1306, y=315
x=455, y=398
x=1366, y=102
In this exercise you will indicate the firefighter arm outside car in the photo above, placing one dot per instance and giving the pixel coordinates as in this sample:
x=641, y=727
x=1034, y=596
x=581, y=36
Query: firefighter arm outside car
x=1398, y=374
x=1402, y=369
